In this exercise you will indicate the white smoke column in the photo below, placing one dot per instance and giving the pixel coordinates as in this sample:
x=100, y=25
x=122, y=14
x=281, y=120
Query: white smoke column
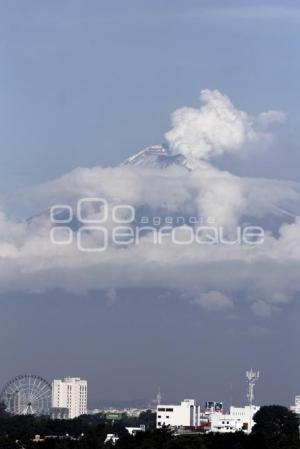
x=218, y=127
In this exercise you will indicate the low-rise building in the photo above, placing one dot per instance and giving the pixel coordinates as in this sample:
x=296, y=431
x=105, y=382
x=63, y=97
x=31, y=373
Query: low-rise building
x=226, y=423
x=239, y=418
x=134, y=430
x=246, y=415
x=296, y=408
x=187, y=414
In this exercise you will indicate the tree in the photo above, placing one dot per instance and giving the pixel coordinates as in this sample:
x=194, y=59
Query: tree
x=3, y=409
x=276, y=421
x=148, y=418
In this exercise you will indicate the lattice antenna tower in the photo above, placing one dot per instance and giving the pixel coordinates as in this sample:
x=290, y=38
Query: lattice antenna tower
x=252, y=378
x=158, y=397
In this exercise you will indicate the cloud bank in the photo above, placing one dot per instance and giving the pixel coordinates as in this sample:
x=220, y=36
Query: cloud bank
x=215, y=277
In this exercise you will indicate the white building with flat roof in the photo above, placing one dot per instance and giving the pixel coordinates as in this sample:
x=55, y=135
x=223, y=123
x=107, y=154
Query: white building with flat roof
x=246, y=415
x=226, y=423
x=239, y=418
x=296, y=408
x=70, y=393
x=187, y=414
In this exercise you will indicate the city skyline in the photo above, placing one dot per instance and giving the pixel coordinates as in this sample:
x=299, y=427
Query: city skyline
x=189, y=112
x=67, y=398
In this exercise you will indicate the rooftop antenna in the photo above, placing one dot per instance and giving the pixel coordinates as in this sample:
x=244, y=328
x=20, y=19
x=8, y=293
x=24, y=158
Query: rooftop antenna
x=252, y=378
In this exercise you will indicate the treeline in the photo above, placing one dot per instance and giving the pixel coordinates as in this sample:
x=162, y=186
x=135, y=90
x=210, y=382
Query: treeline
x=82, y=432
x=276, y=428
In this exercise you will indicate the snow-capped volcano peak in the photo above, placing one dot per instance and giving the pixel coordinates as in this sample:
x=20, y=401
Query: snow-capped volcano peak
x=157, y=156
x=153, y=150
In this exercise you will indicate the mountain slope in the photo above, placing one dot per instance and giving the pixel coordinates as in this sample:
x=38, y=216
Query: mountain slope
x=159, y=157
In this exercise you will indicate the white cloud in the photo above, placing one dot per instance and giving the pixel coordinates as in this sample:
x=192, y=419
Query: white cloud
x=217, y=127
x=215, y=277
x=268, y=275
x=262, y=309
x=270, y=118
x=111, y=295
x=214, y=301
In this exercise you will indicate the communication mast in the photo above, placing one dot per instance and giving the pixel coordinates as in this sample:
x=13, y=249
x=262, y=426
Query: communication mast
x=156, y=401
x=252, y=378
x=158, y=397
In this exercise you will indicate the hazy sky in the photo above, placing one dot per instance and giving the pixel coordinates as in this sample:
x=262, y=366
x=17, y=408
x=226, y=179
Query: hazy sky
x=86, y=84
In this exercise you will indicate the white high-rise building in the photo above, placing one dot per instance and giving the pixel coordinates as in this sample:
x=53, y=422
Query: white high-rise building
x=71, y=394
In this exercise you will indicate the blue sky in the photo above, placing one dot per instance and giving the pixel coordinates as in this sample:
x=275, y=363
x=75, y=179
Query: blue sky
x=86, y=84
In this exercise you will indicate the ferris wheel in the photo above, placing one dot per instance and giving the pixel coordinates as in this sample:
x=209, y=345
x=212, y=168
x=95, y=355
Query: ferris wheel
x=27, y=395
